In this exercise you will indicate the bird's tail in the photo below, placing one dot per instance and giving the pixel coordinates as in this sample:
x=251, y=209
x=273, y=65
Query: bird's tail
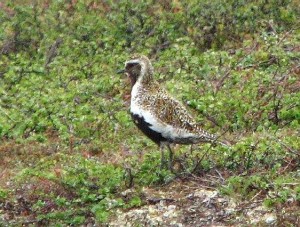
x=214, y=139
x=224, y=143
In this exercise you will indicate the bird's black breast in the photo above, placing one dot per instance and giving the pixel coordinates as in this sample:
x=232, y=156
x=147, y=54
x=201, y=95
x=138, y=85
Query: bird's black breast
x=145, y=128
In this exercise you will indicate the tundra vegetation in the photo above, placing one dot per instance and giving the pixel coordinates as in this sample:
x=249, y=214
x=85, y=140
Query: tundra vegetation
x=68, y=148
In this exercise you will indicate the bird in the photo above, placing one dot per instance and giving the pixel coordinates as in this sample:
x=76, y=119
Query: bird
x=157, y=114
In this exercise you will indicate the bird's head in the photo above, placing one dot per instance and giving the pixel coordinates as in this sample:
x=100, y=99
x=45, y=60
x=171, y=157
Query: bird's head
x=138, y=68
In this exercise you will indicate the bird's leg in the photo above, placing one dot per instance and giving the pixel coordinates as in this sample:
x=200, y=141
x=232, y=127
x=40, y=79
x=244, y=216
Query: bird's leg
x=191, y=149
x=161, y=147
x=170, y=158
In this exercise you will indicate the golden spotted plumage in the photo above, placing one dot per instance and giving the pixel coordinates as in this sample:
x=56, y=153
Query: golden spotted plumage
x=154, y=98
x=158, y=115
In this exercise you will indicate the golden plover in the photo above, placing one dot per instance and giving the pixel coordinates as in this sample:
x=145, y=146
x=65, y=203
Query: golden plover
x=158, y=115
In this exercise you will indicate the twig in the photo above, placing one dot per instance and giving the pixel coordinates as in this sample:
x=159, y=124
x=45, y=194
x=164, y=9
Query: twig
x=220, y=175
x=199, y=161
x=157, y=200
x=286, y=34
x=202, y=186
x=7, y=115
x=292, y=184
x=52, y=52
x=206, y=152
x=227, y=74
x=287, y=147
x=257, y=194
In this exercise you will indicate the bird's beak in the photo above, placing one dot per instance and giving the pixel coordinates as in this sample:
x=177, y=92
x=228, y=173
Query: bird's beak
x=121, y=71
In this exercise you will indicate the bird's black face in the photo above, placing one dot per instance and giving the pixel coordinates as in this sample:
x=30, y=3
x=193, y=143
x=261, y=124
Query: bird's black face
x=138, y=68
x=133, y=70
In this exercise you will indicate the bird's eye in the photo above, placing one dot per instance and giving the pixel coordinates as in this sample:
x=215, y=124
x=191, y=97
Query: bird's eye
x=132, y=66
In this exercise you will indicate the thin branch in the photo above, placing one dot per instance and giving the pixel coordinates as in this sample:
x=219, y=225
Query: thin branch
x=207, y=151
x=287, y=147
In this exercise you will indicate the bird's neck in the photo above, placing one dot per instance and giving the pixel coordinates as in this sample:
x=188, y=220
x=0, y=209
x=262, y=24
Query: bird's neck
x=144, y=81
x=146, y=76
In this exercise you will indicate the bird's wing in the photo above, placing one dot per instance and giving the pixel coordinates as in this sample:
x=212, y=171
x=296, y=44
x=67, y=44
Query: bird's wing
x=172, y=114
